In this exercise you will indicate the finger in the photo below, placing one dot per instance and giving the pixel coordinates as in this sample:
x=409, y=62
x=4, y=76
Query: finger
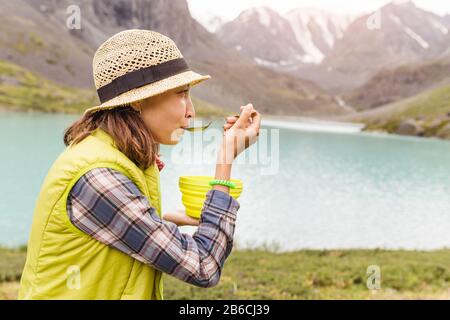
x=256, y=124
x=231, y=119
x=227, y=126
x=243, y=119
x=248, y=104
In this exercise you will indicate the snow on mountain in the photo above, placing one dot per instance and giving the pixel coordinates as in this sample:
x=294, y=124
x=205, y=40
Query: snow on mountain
x=263, y=35
x=338, y=51
x=301, y=35
x=316, y=31
x=410, y=33
x=211, y=21
x=407, y=34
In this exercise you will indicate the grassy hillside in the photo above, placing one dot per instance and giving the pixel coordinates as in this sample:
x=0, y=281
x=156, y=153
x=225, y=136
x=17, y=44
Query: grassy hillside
x=259, y=274
x=429, y=110
x=23, y=90
x=393, y=85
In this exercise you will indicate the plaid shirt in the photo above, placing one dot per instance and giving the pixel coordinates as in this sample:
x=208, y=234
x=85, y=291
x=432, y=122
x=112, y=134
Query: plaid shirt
x=109, y=207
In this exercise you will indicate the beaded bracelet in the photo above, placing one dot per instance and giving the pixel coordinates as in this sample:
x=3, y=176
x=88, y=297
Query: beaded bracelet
x=226, y=183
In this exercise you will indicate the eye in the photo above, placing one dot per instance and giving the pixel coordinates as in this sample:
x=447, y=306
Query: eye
x=184, y=92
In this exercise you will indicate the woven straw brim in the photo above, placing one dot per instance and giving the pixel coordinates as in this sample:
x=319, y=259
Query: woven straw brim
x=152, y=89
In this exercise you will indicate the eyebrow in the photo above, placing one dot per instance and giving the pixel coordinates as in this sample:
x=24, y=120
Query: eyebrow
x=183, y=89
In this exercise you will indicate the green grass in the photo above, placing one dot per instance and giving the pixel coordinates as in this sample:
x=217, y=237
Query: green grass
x=306, y=274
x=22, y=90
x=432, y=108
x=428, y=106
x=435, y=103
x=11, y=263
x=25, y=43
x=25, y=91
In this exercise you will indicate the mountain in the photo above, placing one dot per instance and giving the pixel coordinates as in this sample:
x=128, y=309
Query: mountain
x=399, y=83
x=446, y=19
x=35, y=36
x=296, y=42
x=399, y=33
x=263, y=35
x=317, y=31
x=30, y=37
x=25, y=91
x=425, y=114
x=339, y=53
x=211, y=21
x=301, y=36
x=443, y=48
x=102, y=18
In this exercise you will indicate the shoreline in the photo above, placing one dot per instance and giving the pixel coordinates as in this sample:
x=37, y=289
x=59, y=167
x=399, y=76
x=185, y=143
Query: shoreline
x=4, y=109
x=310, y=124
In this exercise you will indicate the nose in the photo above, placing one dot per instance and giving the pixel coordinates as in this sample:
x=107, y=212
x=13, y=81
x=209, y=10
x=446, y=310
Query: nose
x=190, y=110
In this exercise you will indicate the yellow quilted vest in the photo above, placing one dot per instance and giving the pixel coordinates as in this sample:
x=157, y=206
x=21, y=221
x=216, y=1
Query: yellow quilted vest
x=65, y=263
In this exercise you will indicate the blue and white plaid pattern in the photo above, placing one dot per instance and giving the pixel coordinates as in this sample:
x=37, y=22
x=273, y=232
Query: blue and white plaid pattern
x=109, y=207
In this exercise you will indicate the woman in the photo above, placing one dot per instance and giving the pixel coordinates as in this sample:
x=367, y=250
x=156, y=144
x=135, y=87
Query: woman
x=97, y=230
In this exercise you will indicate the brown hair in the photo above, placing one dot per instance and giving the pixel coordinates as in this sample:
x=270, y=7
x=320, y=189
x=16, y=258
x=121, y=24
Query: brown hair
x=125, y=126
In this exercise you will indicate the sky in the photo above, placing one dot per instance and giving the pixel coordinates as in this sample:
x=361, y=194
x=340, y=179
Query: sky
x=231, y=8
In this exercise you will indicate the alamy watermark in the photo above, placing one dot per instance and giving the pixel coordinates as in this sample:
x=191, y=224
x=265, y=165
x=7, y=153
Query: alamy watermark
x=373, y=22
x=73, y=20
x=73, y=277
x=204, y=147
x=374, y=277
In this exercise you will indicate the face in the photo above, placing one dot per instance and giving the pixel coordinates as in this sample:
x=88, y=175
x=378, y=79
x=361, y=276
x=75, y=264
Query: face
x=166, y=115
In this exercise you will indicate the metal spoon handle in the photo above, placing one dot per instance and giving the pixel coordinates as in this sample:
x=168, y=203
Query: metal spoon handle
x=192, y=129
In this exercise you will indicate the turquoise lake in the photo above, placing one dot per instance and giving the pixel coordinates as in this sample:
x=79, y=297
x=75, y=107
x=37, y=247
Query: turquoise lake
x=331, y=190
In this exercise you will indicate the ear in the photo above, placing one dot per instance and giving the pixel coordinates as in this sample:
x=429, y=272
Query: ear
x=136, y=106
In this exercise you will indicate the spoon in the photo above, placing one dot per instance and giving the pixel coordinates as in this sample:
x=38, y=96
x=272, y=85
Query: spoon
x=192, y=129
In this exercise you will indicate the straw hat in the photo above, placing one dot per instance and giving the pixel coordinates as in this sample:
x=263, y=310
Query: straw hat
x=136, y=64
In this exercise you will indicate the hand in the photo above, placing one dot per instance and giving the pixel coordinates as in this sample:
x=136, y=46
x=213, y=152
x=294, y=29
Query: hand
x=180, y=218
x=240, y=133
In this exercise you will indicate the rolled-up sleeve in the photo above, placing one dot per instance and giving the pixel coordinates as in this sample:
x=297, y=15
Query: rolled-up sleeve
x=109, y=207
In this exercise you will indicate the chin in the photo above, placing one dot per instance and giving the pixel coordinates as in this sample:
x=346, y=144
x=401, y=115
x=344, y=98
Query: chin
x=174, y=138
x=171, y=143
